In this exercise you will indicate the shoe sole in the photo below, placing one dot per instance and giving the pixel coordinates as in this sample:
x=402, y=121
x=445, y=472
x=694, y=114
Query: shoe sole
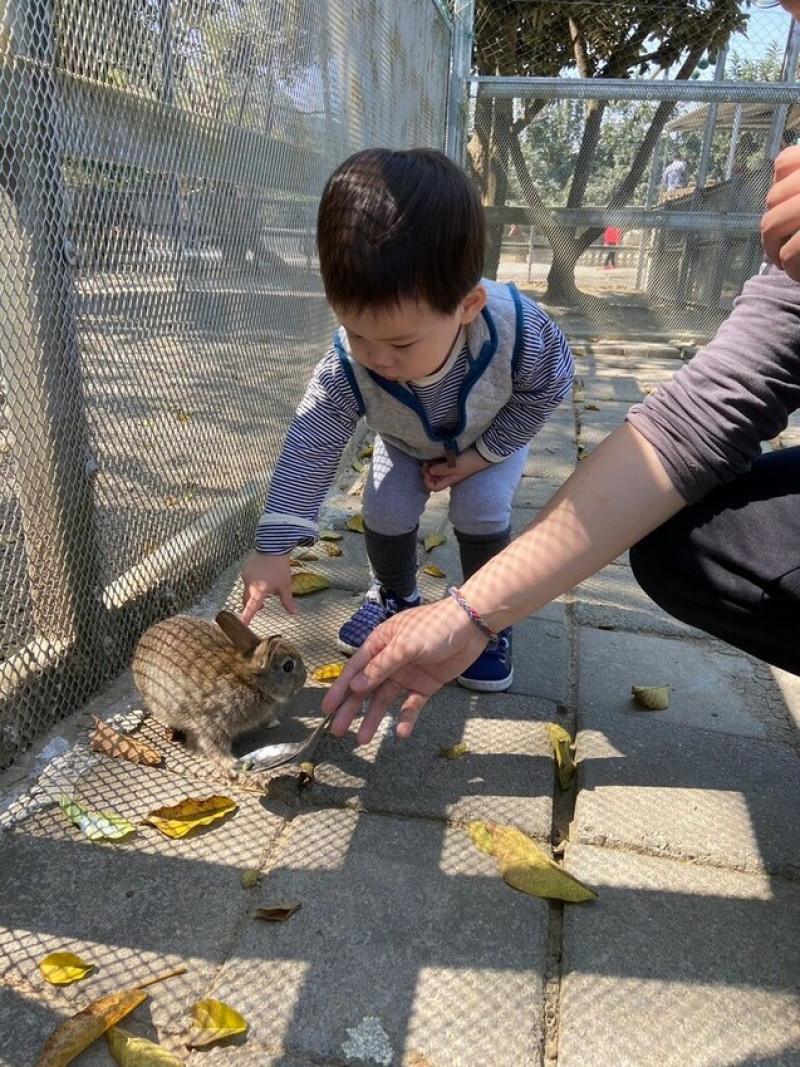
x=489, y=686
x=347, y=649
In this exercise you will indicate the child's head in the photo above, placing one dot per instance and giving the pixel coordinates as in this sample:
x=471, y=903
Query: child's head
x=395, y=227
x=401, y=242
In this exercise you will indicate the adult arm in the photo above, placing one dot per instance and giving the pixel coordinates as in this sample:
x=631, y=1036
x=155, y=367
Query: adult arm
x=708, y=423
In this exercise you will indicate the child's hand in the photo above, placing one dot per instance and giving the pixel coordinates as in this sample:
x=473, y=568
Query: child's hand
x=436, y=475
x=263, y=574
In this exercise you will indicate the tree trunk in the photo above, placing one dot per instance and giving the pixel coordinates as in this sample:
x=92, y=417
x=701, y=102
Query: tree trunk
x=561, y=287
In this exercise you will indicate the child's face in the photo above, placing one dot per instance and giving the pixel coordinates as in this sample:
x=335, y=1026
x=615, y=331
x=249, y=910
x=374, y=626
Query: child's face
x=409, y=340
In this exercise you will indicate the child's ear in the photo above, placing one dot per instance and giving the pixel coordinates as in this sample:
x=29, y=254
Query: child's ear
x=473, y=304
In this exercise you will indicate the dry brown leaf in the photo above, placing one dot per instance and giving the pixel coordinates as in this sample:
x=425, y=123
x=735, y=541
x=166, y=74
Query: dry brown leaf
x=277, y=913
x=178, y=819
x=651, y=697
x=76, y=1034
x=304, y=582
x=111, y=742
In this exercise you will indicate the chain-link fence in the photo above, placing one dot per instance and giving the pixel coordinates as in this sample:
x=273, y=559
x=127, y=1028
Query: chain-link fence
x=625, y=149
x=160, y=166
x=160, y=304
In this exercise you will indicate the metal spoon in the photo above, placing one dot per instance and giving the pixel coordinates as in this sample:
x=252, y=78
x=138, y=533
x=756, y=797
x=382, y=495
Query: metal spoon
x=271, y=756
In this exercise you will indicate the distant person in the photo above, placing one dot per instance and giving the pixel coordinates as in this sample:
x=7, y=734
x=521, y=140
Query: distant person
x=612, y=239
x=675, y=175
x=454, y=373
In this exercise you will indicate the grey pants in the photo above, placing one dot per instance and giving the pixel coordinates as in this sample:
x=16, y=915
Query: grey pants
x=394, y=496
x=394, y=499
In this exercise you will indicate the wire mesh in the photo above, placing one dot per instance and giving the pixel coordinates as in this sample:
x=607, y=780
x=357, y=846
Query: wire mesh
x=160, y=167
x=624, y=151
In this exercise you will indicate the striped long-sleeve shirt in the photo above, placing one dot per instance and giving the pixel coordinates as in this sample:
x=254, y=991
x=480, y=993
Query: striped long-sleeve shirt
x=328, y=413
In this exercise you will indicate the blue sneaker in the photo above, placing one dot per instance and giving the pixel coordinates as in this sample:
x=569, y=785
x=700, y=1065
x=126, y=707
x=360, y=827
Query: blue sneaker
x=493, y=670
x=379, y=605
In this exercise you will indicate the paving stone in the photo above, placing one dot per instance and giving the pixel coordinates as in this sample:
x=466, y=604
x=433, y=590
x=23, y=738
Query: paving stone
x=677, y=964
x=714, y=690
x=613, y=599
x=693, y=794
x=506, y=775
x=369, y=962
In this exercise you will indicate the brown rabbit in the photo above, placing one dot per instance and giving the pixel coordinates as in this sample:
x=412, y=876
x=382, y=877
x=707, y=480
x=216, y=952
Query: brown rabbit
x=214, y=682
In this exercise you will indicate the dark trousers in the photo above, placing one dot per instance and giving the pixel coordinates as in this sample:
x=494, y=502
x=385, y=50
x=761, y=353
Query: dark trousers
x=730, y=565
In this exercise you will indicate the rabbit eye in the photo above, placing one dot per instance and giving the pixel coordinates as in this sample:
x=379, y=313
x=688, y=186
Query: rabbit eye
x=288, y=666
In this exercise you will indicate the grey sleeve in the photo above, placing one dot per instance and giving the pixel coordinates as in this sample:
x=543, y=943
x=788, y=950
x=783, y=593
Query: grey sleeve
x=708, y=423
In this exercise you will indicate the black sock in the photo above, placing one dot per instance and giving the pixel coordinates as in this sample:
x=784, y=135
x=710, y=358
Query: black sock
x=477, y=549
x=393, y=558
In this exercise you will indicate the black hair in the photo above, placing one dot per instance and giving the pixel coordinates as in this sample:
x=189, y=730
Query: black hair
x=396, y=226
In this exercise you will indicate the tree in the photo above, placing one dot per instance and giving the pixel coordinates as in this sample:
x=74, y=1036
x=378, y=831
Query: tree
x=615, y=40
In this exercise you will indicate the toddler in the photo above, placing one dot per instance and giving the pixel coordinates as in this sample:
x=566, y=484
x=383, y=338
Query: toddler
x=454, y=374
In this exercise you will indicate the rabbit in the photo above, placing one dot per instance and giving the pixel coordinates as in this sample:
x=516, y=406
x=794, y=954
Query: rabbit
x=214, y=680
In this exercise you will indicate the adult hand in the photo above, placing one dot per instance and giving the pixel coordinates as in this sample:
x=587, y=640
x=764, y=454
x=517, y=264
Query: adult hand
x=263, y=574
x=415, y=651
x=437, y=475
x=780, y=226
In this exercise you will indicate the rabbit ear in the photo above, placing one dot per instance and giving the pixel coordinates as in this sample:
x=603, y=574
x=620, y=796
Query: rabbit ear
x=241, y=636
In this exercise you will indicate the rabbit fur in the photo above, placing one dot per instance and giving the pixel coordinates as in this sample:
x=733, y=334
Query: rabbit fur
x=214, y=680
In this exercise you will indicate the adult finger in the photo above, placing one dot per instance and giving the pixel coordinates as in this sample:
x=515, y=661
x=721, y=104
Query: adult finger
x=790, y=257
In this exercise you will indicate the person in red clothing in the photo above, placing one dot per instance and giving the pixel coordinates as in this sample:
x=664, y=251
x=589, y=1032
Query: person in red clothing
x=611, y=238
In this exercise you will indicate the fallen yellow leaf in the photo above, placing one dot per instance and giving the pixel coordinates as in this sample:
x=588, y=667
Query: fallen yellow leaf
x=454, y=751
x=111, y=742
x=131, y=1051
x=306, y=776
x=330, y=549
x=278, y=913
x=434, y=571
x=562, y=742
x=250, y=878
x=433, y=541
x=365, y=452
x=304, y=582
x=61, y=968
x=96, y=825
x=329, y=535
x=651, y=697
x=524, y=866
x=179, y=819
x=76, y=1034
x=215, y=1020
x=357, y=467
x=328, y=672
x=356, y=523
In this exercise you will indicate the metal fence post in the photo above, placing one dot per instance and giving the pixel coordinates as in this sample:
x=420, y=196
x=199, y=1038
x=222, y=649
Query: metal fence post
x=42, y=359
x=460, y=67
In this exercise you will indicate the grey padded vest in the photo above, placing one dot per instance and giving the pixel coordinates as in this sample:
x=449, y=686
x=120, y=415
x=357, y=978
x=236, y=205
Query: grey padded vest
x=391, y=409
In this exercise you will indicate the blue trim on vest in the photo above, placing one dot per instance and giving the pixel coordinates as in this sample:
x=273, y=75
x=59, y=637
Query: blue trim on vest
x=520, y=321
x=344, y=360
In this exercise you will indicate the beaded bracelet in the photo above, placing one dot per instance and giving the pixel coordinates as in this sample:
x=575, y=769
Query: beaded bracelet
x=481, y=623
